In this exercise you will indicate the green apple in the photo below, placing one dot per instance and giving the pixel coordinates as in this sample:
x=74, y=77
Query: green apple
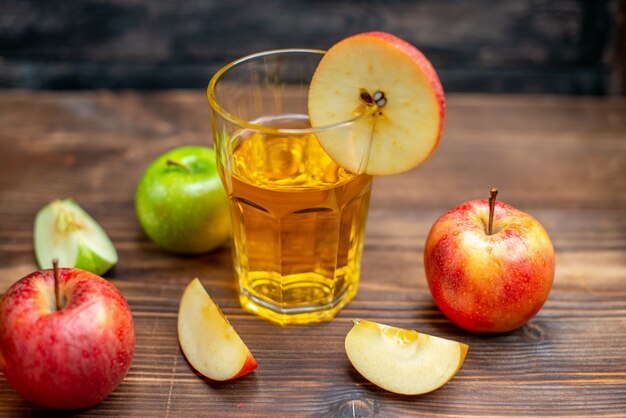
x=181, y=203
x=63, y=230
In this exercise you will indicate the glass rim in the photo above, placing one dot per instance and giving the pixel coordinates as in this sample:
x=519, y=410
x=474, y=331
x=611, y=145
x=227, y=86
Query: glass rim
x=263, y=128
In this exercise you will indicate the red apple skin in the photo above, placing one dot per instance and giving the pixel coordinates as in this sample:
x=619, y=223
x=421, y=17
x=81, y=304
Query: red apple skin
x=249, y=365
x=423, y=62
x=488, y=283
x=71, y=358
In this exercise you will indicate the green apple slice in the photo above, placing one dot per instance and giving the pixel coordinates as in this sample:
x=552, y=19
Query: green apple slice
x=63, y=230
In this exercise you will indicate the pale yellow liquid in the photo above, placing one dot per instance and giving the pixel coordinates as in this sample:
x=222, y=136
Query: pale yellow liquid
x=299, y=221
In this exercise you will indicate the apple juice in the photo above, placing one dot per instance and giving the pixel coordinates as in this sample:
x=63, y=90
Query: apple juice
x=298, y=224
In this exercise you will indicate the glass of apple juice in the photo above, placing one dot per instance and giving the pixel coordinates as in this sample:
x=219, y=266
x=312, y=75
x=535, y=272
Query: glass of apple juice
x=298, y=217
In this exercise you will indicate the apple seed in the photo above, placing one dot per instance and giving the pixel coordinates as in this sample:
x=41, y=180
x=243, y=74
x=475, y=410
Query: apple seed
x=379, y=98
x=366, y=98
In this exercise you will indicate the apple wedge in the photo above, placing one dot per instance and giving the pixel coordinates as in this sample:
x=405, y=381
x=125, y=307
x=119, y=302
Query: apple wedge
x=207, y=339
x=394, y=83
x=63, y=230
x=401, y=360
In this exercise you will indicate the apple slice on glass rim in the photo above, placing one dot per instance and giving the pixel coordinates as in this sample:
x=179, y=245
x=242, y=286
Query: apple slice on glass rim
x=402, y=360
x=64, y=231
x=384, y=78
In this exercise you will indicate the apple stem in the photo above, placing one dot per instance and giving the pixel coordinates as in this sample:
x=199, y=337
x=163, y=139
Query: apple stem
x=55, y=273
x=492, y=205
x=179, y=164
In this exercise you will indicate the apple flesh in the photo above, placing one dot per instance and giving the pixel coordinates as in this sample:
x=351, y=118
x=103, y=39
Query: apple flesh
x=68, y=358
x=207, y=339
x=488, y=283
x=393, y=84
x=401, y=360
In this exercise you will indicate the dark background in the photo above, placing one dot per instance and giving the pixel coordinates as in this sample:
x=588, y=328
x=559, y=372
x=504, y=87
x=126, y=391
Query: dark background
x=529, y=46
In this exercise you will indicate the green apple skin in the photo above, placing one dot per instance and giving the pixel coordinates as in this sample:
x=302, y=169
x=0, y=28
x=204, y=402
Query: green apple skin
x=183, y=207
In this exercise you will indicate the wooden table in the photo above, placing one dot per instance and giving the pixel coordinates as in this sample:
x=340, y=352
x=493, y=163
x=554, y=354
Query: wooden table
x=561, y=159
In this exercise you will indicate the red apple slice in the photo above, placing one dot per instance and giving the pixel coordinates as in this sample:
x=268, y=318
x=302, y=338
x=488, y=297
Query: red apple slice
x=394, y=82
x=207, y=339
x=401, y=360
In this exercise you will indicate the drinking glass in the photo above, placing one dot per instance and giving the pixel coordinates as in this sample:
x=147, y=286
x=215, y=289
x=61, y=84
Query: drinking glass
x=298, y=217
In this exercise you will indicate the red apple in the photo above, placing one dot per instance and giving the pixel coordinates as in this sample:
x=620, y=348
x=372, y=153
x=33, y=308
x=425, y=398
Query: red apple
x=488, y=279
x=65, y=343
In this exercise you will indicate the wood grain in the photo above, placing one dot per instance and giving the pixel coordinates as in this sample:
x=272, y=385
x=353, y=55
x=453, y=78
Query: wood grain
x=527, y=46
x=561, y=159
